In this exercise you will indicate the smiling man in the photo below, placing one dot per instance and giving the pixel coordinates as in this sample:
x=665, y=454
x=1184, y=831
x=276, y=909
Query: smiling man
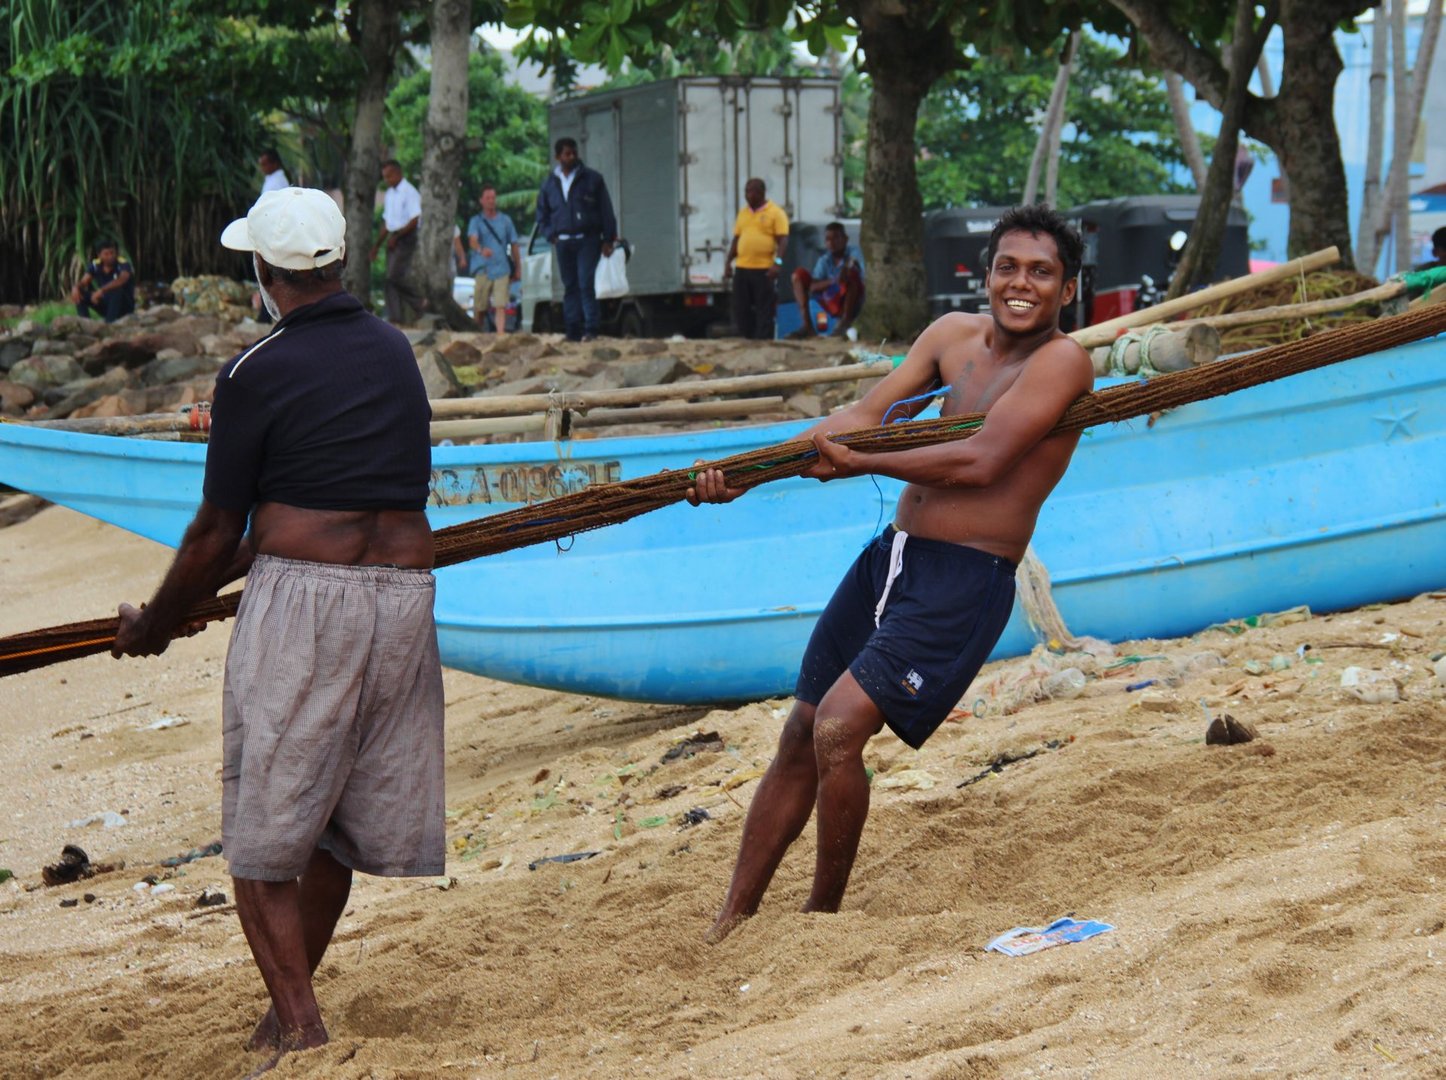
x=918, y=613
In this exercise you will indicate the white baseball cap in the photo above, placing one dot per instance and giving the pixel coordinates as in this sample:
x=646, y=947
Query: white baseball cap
x=293, y=228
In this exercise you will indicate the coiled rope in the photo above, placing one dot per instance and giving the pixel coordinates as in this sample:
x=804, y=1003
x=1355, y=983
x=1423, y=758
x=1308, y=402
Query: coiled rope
x=611, y=504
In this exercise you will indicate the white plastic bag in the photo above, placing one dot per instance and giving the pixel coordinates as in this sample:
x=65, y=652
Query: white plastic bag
x=611, y=279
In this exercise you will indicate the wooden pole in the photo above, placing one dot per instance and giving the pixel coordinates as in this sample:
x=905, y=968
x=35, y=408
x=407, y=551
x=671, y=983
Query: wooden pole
x=1106, y=332
x=1389, y=291
x=523, y=404
x=646, y=414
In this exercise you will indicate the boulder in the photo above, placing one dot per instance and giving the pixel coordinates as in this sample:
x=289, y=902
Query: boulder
x=51, y=347
x=40, y=372
x=459, y=352
x=68, y=325
x=174, y=337
x=609, y=378
x=173, y=369
x=437, y=375
x=653, y=371
x=250, y=332
x=806, y=404
x=649, y=347
x=605, y=353
x=14, y=398
x=125, y=403
x=126, y=352
x=78, y=395
x=222, y=345
x=13, y=350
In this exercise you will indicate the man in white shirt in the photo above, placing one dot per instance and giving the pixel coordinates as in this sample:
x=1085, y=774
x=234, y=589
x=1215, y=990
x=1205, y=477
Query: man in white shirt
x=401, y=210
x=274, y=176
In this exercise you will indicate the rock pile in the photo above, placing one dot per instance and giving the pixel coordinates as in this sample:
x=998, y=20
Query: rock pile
x=166, y=357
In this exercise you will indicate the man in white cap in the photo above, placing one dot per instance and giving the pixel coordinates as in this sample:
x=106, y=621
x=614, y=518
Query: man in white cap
x=332, y=709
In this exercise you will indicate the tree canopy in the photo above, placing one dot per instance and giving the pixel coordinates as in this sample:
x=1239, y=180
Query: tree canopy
x=138, y=122
x=977, y=130
x=506, y=127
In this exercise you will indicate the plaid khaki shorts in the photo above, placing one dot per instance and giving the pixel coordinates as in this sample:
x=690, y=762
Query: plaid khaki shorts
x=332, y=722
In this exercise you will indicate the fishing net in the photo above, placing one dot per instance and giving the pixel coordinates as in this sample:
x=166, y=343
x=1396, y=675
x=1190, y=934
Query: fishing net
x=611, y=504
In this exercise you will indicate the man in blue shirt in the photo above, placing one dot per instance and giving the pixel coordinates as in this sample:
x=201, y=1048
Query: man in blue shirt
x=108, y=286
x=496, y=260
x=837, y=283
x=575, y=213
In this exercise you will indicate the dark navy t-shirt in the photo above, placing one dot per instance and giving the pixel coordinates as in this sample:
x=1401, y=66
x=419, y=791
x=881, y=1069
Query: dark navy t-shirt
x=327, y=412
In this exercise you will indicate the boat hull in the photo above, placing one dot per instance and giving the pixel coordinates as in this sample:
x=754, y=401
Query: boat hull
x=1323, y=489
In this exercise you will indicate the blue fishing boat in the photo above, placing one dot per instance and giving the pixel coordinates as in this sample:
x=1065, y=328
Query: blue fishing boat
x=1323, y=489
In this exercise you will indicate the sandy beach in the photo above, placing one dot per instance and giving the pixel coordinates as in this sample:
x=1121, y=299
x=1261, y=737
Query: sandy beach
x=1279, y=907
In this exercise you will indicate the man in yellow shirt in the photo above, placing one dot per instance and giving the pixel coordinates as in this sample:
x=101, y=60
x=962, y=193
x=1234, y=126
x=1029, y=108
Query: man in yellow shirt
x=760, y=234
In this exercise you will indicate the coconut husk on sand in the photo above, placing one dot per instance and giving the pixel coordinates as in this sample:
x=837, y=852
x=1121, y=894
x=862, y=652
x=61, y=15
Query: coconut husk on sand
x=1277, y=913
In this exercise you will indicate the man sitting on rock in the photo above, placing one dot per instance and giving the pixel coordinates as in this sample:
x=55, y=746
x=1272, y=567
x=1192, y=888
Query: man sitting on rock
x=837, y=283
x=108, y=287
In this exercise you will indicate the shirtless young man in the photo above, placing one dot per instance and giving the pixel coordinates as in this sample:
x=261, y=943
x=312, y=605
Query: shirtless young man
x=918, y=613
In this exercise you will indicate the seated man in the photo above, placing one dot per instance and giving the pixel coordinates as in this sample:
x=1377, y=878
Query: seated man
x=108, y=287
x=837, y=283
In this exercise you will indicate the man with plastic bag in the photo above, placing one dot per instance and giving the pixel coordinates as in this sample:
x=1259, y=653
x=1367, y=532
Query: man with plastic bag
x=575, y=213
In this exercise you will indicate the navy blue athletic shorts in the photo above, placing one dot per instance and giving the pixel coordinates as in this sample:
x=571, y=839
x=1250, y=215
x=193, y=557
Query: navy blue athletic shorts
x=940, y=616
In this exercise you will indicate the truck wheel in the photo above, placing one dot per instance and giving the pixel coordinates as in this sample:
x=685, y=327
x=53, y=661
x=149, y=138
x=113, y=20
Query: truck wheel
x=635, y=323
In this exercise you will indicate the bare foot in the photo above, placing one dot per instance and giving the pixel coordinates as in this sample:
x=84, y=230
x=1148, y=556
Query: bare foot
x=725, y=925
x=307, y=1038
x=267, y=1035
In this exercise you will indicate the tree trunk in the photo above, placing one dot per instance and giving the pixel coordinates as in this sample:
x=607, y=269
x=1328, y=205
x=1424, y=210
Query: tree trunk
x=1056, y=131
x=1185, y=128
x=379, y=36
x=1053, y=120
x=1298, y=123
x=443, y=141
x=1403, y=134
x=904, y=56
x=1202, y=250
x=1367, y=243
x=1305, y=139
x=1425, y=55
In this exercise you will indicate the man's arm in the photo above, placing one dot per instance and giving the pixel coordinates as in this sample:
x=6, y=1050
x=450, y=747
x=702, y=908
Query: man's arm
x=609, y=219
x=80, y=286
x=212, y=552
x=1057, y=374
x=516, y=261
x=918, y=374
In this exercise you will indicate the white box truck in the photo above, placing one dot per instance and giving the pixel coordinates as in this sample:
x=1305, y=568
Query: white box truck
x=676, y=154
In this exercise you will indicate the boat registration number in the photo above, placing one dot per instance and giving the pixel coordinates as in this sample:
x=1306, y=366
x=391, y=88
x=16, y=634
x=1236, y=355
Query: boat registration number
x=521, y=484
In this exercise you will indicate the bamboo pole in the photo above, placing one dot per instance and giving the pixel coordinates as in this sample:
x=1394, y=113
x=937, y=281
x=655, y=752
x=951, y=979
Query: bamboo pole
x=1106, y=332
x=645, y=414
x=522, y=404
x=1389, y=291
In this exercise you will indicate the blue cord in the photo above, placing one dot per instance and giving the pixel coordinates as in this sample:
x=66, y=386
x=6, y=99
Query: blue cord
x=927, y=395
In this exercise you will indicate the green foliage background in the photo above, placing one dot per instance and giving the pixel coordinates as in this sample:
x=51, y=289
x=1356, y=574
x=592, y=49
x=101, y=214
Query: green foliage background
x=506, y=137
x=978, y=128
x=139, y=121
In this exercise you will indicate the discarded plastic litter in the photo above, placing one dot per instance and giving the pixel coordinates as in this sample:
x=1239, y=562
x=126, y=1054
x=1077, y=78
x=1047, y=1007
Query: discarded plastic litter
x=1023, y=940
x=1372, y=687
x=1065, y=685
x=908, y=779
x=695, y=816
x=1140, y=685
x=213, y=848
x=572, y=857
x=106, y=818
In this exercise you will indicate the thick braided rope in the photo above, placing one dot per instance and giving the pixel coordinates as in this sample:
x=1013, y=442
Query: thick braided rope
x=610, y=504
